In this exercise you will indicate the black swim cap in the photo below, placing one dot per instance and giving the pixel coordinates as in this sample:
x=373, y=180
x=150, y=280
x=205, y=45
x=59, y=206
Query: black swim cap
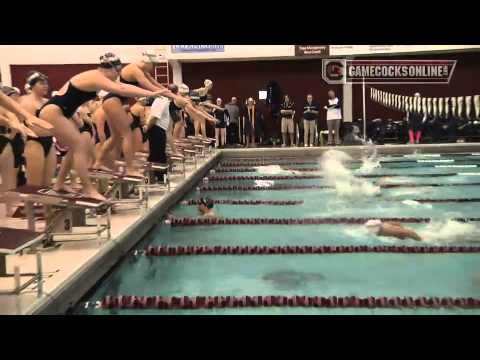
x=110, y=60
x=34, y=77
x=207, y=202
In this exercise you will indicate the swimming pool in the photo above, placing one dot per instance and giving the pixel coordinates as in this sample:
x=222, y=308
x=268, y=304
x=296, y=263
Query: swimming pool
x=300, y=208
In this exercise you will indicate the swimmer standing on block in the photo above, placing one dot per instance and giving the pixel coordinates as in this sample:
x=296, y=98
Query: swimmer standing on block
x=205, y=207
x=391, y=228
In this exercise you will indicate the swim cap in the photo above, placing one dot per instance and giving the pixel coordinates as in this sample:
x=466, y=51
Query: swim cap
x=9, y=90
x=416, y=94
x=207, y=202
x=173, y=88
x=183, y=89
x=150, y=57
x=110, y=60
x=33, y=78
x=208, y=82
x=374, y=225
x=102, y=93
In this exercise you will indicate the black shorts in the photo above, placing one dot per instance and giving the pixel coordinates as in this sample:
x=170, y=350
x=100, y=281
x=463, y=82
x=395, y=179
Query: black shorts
x=18, y=147
x=123, y=100
x=45, y=141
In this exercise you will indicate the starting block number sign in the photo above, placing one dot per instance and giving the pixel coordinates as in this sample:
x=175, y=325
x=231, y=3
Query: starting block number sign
x=93, y=304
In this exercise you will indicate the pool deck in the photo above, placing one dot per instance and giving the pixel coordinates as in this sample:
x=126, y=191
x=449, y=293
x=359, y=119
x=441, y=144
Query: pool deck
x=71, y=270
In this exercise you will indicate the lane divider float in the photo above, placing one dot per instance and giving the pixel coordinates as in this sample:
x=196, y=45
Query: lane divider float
x=247, y=202
x=191, y=221
x=161, y=251
x=210, y=302
x=275, y=187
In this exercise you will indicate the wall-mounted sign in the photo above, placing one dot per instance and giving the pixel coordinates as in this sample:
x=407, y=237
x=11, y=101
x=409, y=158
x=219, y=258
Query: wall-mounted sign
x=312, y=50
x=342, y=71
x=197, y=48
x=345, y=50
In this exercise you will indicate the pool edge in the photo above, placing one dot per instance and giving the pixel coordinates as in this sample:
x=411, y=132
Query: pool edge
x=80, y=282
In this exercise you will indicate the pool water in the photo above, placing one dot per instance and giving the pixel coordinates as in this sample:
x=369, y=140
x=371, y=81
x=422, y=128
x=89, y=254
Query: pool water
x=355, y=274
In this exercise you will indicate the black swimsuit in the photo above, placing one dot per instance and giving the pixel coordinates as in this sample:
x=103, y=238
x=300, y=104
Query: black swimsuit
x=137, y=124
x=106, y=129
x=86, y=128
x=3, y=142
x=45, y=141
x=17, y=144
x=123, y=99
x=71, y=100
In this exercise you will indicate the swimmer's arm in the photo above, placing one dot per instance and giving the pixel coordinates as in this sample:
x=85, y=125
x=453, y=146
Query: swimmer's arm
x=15, y=108
x=153, y=81
x=145, y=83
x=103, y=83
x=195, y=112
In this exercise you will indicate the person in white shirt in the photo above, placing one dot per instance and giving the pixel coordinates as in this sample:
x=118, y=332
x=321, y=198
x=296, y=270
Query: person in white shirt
x=334, y=118
x=159, y=128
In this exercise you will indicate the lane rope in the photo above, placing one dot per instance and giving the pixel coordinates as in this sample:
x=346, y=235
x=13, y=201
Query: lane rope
x=161, y=251
x=246, y=202
x=302, y=177
x=210, y=302
x=275, y=187
x=190, y=221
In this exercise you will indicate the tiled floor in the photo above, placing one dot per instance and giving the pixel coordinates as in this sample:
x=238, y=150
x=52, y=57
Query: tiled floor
x=62, y=263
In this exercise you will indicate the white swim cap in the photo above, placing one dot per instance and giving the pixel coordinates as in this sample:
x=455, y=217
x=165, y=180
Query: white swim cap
x=374, y=225
x=150, y=56
x=102, y=93
x=183, y=89
x=371, y=223
x=416, y=94
x=208, y=82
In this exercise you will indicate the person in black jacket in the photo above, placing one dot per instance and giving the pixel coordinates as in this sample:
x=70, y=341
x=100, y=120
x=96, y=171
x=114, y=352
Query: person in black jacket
x=252, y=123
x=287, y=111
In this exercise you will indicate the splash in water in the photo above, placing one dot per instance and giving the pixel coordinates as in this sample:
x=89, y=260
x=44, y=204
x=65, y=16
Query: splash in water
x=264, y=183
x=342, y=179
x=275, y=170
x=369, y=162
x=450, y=232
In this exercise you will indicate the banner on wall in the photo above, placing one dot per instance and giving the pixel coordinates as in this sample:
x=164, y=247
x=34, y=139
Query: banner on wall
x=197, y=48
x=312, y=50
x=345, y=50
x=342, y=71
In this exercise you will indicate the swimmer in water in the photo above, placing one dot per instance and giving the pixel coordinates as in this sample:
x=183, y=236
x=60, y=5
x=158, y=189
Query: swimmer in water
x=205, y=208
x=391, y=228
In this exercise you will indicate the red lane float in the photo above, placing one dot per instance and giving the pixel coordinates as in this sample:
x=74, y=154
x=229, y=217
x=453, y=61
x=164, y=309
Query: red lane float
x=264, y=177
x=235, y=170
x=306, y=177
x=188, y=221
x=304, y=187
x=209, y=302
x=447, y=200
x=265, y=163
x=248, y=202
x=280, y=250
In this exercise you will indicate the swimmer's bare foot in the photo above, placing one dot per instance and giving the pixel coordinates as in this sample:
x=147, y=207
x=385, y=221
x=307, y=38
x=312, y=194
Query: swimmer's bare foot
x=133, y=172
x=94, y=194
x=98, y=166
x=63, y=188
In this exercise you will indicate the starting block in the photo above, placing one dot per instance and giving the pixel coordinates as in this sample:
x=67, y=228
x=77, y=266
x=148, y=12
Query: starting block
x=117, y=186
x=64, y=211
x=12, y=242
